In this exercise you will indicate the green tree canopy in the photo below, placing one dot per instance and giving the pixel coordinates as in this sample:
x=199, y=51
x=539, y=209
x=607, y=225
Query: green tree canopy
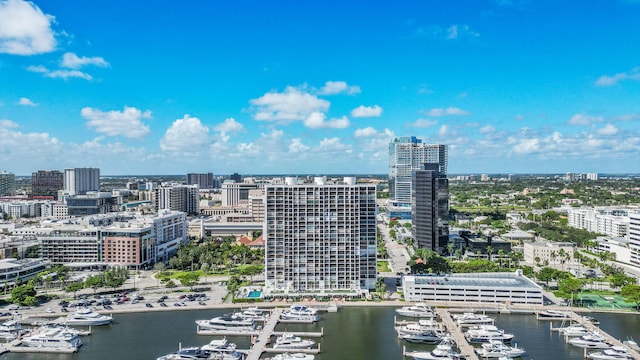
x=20, y=293
x=426, y=261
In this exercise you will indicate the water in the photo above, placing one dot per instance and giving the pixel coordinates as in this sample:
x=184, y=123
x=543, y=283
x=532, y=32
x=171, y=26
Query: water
x=352, y=333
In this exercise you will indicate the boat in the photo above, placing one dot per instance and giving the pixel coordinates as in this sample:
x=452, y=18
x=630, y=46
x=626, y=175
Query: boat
x=574, y=330
x=300, y=313
x=10, y=329
x=428, y=337
x=86, y=317
x=632, y=344
x=590, y=341
x=227, y=322
x=486, y=333
x=218, y=344
x=218, y=349
x=553, y=315
x=293, y=356
x=253, y=313
x=189, y=353
x=443, y=351
x=290, y=341
x=51, y=338
x=615, y=353
x=417, y=310
x=591, y=320
x=469, y=318
x=417, y=327
x=497, y=349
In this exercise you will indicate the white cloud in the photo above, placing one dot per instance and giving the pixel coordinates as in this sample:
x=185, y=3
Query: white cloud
x=606, y=80
x=424, y=123
x=317, y=120
x=25, y=29
x=72, y=61
x=63, y=73
x=526, y=146
x=455, y=31
x=608, y=130
x=186, y=135
x=26, y=102
x=127, y=123
x=582, y=119
x=366, y=132
x=446, y=111
x=628, y=117
x=230, y=125
x=296, y=146
x=487, y=129
x=444, y=131
x=7, y=124
x=366, y=111
x=519, y=117
x=338, y=87
x=287, y=106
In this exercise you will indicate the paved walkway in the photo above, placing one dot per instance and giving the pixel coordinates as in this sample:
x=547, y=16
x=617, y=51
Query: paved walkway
x=465, y=348
x=265, y=335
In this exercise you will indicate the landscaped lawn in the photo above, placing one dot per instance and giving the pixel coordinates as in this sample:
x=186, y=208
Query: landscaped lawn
x=383, y=266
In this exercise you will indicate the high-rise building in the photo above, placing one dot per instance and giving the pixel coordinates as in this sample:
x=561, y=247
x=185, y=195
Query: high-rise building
x=7, y=184
x=634, y=237
x=234, y=194
x=177, y=197
x=204, y=181
x=407, y=154
x=430, y=208
x=78, y=181
x=320, y=236
x=46, y=183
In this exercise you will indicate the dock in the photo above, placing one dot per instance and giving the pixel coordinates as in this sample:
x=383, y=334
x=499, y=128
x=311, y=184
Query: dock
x=591, y=327
x=265, y=336
x=465, y=348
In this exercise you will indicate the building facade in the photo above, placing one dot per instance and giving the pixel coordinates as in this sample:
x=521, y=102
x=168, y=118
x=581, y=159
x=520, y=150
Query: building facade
x=320, y=236
x=506, y=288
x=634, y=237
x=7, y=184
x=406, y=155
x=430, y=208
x=91, y=203
x=554, y=254
x=204, y=181
x=177, y=197
x=47, y=183
x=79, y=181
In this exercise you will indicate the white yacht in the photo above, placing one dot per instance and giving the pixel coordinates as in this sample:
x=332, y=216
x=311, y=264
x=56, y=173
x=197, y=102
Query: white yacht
x=553, y=315
x=632, y=344
x=10, y=329
x=290, y=341
x=227, y=322
x=417, y=327
x=443, y=351
x=497, y=349
x=300, y=313
x=469, y=319
x=294, y=356
x=486, y=333
x=615, y=353
x=574, y=330
x=253, y=313
x=427, y=337
x=55, y=338
x=189, y=353
x=86, y=317
x=590, y=341
x=417, y=310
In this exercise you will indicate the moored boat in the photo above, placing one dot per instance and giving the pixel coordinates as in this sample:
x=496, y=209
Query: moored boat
x=86, y=317
x=421, y=310
x=227, y=322
x=291, y=341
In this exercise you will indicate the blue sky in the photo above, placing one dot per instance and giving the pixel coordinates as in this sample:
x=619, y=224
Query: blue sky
x=286, y=87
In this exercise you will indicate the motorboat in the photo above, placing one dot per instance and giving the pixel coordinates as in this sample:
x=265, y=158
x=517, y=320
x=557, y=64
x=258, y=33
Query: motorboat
x=218, y=344
x=219, y=349
x=632, y=344
x=293, y=356
x=615, y=353
x=290, y=341
x=417, y=327
x=590, y=341
x=591, y=320
x=574, y=330
x=443, y=351
x=553, y=315
x=10, y=329
x=227, y=322
x=86, y=317
x=428, y=337
x=300, y=313
x=497, y=349
x=189, y=353
x=486, y=333
x=469, y=318
x=421, y=310
x=253, y=313
x=54, y=338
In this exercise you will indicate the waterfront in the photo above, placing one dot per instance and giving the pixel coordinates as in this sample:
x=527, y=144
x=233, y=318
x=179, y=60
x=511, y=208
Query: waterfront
x=352, y=333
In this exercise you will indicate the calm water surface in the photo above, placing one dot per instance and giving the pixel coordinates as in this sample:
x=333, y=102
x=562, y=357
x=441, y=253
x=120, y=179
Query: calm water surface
x=352, y=333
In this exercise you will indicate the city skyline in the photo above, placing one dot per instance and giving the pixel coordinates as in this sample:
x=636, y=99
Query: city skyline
x=257, y=88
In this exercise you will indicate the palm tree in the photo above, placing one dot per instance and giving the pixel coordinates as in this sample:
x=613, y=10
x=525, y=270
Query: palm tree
x=489, y=252
x=500, y=254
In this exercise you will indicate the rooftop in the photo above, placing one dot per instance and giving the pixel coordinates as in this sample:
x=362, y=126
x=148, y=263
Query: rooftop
x=486, y=280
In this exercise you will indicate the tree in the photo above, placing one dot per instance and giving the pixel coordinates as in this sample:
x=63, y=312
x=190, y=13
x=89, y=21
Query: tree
x=547, y=274
x=426, y=261
x=500, y=256
x=20, y=293
x=620, y=280
x=489, y=252
x=631, y=293
x=568, y=286
x=189, y=279
x=74, y=288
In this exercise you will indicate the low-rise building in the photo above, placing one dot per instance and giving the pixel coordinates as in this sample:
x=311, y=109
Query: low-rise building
x=20, y=269
x=506, y=288
x=555, y=254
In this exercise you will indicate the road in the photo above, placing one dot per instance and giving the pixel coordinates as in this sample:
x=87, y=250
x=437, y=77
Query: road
x=398, y=259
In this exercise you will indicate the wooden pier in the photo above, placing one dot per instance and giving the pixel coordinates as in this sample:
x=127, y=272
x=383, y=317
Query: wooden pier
x=465, y=348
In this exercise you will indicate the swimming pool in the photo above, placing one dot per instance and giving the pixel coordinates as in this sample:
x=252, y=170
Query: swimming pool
x=254, y=294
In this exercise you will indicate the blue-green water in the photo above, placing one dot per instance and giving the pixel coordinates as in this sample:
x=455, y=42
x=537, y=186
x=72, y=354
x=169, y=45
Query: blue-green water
x=352, y=333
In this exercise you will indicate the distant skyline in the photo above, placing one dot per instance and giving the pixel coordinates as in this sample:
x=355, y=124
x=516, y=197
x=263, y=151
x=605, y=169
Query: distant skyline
x=289, y=87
